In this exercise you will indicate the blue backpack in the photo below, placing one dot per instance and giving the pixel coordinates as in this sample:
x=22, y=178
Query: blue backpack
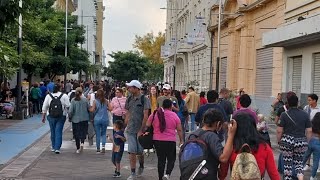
x=191, y=156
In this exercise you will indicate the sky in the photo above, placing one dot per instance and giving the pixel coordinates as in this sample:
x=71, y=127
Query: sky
x=126, y=18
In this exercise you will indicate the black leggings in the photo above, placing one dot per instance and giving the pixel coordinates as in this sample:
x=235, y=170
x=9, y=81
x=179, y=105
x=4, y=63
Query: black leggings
x=166, y=152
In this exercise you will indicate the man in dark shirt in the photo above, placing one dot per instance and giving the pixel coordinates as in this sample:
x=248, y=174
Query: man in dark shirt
x=212, y=97
x=225, y=103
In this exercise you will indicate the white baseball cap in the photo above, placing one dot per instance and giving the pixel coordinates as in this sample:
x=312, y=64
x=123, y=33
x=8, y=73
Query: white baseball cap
x=134, y=83
x=167, y=87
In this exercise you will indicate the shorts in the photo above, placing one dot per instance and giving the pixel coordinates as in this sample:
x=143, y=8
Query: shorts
x=134, y=146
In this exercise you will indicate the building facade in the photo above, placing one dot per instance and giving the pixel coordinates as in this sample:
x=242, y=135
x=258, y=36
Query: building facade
x=187, y=37
x=299, y=36
x=90, y=15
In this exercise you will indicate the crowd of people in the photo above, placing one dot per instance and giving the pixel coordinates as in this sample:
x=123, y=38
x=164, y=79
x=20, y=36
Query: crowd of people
x=225, y=128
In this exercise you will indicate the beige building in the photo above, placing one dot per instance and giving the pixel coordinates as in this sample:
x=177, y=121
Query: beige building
x=299, y=35
x=267, y=47
x=61, y=5
x=99, y=49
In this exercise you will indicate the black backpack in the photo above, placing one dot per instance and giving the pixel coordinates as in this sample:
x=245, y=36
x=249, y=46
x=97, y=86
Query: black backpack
x=55, y=108
x=193, y=157
x=72, y=95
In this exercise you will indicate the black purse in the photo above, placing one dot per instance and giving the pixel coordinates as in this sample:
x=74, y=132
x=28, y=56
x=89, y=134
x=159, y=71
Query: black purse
x=146, y=139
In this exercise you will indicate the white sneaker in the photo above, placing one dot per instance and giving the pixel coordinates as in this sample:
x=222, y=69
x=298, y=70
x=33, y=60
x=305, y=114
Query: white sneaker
x=131, y=177
x=78, y=151
x=306, y=167
x=166, y=177
x=318, y=171
x=52, y=150
x=313, y=178
x=81, y=147
x=57, y=151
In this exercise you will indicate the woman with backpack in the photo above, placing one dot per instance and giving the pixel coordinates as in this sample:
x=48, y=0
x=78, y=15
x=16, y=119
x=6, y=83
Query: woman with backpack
x=247, y=134
x=79, y=116
x=165, y=123
x=100, y=109
x=55, y=107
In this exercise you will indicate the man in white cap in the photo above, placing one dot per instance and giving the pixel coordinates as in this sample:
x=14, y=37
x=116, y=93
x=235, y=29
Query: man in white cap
x=167, y=95
x=137, y=106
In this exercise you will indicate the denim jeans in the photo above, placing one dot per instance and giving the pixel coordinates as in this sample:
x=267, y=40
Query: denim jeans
x=100, y=127
x=313, y=148
x=56, y=128
x=193, y=119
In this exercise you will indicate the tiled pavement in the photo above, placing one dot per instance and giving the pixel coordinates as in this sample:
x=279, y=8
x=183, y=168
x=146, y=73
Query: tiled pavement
x=38, y=162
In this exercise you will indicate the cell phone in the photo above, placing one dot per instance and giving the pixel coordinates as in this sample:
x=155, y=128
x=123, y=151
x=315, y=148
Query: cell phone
x=230, y=117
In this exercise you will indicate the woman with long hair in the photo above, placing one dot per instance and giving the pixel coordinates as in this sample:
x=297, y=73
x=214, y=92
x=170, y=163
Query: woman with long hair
x=79, y=116
x=165, y=124
x=100, y=109
x=153, y=97
x=247, y=133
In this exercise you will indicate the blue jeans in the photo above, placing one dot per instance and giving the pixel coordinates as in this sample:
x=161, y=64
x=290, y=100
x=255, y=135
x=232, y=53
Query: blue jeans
x=100, y=127
x=56, y=128
x=193, y=121
x=313, y=148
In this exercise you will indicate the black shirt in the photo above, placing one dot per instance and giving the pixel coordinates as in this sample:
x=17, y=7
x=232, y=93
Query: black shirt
x=297, y=126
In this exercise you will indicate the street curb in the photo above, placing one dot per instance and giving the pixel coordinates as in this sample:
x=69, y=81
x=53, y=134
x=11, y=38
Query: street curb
x=27, y=158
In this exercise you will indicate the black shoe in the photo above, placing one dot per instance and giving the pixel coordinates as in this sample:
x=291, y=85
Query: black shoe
x=116, y=175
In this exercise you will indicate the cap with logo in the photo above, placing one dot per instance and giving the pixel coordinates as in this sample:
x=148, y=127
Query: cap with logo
x=167, y=87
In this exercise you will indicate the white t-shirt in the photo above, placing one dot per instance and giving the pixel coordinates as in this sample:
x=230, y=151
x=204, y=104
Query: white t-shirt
x=64, y=101
x=92, y=98
x=311, y=111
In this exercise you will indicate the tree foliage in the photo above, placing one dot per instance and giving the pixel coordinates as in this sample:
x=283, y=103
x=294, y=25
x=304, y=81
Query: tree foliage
x=150, y=46
x=43, y=39
x=127, y=66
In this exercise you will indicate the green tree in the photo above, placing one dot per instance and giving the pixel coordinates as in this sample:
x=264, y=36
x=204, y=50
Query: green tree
x=150, y=47
x=127, y=66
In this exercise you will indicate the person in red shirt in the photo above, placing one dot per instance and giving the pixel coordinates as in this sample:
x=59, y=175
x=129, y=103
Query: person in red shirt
x=183, y=94
x=247, y=134
x=203, y=100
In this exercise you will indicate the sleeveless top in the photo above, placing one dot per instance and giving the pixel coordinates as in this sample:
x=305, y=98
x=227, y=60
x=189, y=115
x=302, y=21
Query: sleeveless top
x=101, y=113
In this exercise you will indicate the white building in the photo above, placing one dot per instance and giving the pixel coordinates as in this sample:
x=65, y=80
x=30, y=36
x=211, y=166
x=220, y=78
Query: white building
x=187, y=21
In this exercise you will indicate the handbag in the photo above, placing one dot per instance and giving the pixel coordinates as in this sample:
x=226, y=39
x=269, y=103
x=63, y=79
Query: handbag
x=146, y=139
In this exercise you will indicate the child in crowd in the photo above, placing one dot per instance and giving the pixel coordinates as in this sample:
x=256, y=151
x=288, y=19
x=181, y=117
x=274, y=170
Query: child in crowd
x=314, y=146
x=262, y=127
x=118, y=146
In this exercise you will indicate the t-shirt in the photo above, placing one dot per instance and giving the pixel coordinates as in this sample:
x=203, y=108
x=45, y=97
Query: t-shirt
x=215, y=149
x=50, y=87
x=118, y=141
x=227, y=106
x=205, y=107
x=136, y=110
x=311, y=111
x=162, y=98
x=35, y=93
x=172, y=121
x=118, y=106
x=298, y=127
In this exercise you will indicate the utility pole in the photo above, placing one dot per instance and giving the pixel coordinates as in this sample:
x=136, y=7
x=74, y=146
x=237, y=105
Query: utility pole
x=218, y=50
x=66, y=45
x=18, y=99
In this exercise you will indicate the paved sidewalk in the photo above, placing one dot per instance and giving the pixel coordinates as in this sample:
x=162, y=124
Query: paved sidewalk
x=17, y=136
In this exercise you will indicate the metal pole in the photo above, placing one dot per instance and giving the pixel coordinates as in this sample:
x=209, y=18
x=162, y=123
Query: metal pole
x=211, y=63
x=18, y=99
x=218, y=51
x=175, y=51
x=66, y=45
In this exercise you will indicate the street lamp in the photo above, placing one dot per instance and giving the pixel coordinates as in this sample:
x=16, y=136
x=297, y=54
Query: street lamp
x=175, y=46
x=219, y=39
